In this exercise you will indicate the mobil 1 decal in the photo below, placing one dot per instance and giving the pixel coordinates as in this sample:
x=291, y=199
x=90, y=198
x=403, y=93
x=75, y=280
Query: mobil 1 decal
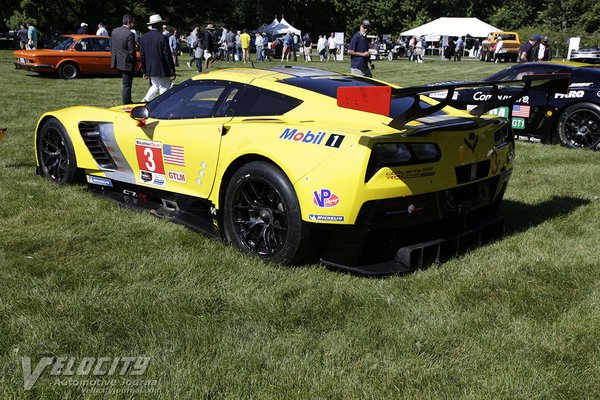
x=150, y=162
x=318, y=138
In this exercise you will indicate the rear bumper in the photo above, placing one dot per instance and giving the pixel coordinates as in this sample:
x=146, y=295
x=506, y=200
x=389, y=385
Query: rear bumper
x=401, y=234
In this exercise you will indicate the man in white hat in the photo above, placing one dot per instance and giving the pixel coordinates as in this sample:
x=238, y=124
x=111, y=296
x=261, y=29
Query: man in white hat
x=82, y=29
x=156, y=59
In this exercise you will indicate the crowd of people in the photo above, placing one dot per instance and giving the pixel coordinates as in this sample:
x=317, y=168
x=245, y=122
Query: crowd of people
x=161, y=48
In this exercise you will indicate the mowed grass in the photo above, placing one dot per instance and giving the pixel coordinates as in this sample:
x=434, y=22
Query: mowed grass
x=82, y=277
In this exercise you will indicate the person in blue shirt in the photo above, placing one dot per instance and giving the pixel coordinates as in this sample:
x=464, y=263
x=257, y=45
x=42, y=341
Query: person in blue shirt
x=359, y=51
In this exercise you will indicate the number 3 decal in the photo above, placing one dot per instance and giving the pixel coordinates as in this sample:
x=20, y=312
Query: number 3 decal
x=149, y=156
x=150, y=164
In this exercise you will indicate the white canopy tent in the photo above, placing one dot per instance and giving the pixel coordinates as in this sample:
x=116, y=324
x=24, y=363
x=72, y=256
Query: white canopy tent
x=279, y=27
x=451, y=26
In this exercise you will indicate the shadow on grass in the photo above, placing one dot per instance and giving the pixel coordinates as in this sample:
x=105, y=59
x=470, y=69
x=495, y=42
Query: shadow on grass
x=521, y=216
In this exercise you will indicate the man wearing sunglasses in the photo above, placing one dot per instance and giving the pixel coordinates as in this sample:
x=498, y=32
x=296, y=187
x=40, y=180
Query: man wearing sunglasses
x=359, y=51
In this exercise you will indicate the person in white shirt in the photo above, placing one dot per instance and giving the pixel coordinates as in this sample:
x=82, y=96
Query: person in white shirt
x=332, y=46
x=322, y=47
x=101, y=30
x=498, y=49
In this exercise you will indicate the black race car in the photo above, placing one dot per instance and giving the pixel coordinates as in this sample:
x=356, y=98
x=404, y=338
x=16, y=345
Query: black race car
x=572, y=119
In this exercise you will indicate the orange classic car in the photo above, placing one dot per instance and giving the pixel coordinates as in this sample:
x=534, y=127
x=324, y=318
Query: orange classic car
x=70, y=56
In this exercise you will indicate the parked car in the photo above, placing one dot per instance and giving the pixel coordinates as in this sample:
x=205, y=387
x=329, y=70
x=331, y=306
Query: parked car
x=586, y=55
x=69, y=56
x=291, y=163
x=510, y=48
x=572, y=119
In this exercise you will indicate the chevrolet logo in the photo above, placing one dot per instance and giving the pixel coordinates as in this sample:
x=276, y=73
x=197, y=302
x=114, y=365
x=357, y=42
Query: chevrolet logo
x=471, y=141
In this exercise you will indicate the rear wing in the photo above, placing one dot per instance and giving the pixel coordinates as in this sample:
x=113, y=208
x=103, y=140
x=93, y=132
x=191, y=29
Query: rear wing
x=376, y=99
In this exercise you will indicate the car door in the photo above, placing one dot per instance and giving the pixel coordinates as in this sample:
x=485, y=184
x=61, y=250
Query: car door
x=177, y=149
x=86, y=55
x=103, y=56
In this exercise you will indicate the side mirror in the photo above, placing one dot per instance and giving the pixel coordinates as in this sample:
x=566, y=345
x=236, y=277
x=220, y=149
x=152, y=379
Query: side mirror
x=140, y=114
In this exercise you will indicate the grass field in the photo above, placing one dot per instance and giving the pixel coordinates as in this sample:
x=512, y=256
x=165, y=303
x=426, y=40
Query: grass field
x=83, y=277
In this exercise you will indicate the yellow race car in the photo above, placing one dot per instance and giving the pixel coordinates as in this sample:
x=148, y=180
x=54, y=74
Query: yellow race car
x=296, y=164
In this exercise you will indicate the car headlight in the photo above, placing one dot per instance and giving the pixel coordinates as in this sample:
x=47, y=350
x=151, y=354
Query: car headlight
x=503, y=136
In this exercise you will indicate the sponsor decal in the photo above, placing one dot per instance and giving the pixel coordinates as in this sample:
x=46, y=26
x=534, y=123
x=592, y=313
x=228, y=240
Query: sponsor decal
x=518, y=123
x=176, y=176
x=333, y=139
x=325, y=198
x=500, y=111
x=334, y=218
x=149, y=155
x=521, y=111
x=96, y=180
x=580, y=84
x=471, y=141
x=442, y=95
x=573, y=94
x=411, y=173
x=480, y=96
x=151, y=178
x=174, y=155
x=150, y=162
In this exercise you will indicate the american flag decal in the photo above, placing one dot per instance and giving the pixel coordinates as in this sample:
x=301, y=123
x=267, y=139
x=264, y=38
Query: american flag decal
x=173, y=155
x=520, y=111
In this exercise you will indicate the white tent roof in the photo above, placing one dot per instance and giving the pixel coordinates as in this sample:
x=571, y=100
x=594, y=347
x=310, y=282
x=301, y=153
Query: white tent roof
x=450, y=26
x=281, y=27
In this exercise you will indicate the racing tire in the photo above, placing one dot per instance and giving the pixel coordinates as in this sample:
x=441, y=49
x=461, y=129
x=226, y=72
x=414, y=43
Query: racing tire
x=262, y=214
x=56, y=156
x=68, y=70
x=579, y=126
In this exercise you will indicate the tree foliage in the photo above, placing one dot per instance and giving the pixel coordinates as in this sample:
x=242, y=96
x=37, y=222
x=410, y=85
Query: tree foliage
x=316, y=16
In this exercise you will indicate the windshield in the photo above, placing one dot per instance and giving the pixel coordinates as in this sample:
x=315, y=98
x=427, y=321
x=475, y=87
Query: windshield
x=62, y=43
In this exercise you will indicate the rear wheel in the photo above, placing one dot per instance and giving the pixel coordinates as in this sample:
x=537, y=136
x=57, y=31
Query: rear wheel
x=55, y=153
x=68, y=71
x=579, y=126
x=262, y=214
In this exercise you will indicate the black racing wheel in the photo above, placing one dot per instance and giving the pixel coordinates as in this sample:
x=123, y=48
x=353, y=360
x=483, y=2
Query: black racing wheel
x=55, y=153
x=579, y=126
x=262, y=215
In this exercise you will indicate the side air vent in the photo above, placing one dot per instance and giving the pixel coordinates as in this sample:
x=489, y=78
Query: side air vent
x=90, y=132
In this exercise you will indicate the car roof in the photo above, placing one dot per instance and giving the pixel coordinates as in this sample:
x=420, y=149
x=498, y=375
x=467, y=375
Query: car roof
x=247, y=75
x=76, y=36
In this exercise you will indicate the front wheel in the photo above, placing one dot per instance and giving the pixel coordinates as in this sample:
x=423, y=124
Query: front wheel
x=68, y=71
x=579, y=126
x=56, y=156
x=262, y=215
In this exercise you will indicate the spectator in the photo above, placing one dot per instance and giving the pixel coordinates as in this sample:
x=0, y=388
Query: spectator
x=449, y=50
x=476, y=48
x=101, y=30
x=460, y=48
x=332, y=47
x=266, y=51
x=544, y=52
x=175, y=45
x=358, y=50
x=156, y=59
x=245, y=41
x=238, y=46
x=165, y=31
x=32, y=37
x=287, y=44
x=307, y=43
x=193, y=42
x=258, y=42
x=82, y=29
x=526, y=53
x=419, y=50
x=322, y=47
x=209, y=45
x=230, y=43
x=123, y=54
x=498, y=49
x=22, y=36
